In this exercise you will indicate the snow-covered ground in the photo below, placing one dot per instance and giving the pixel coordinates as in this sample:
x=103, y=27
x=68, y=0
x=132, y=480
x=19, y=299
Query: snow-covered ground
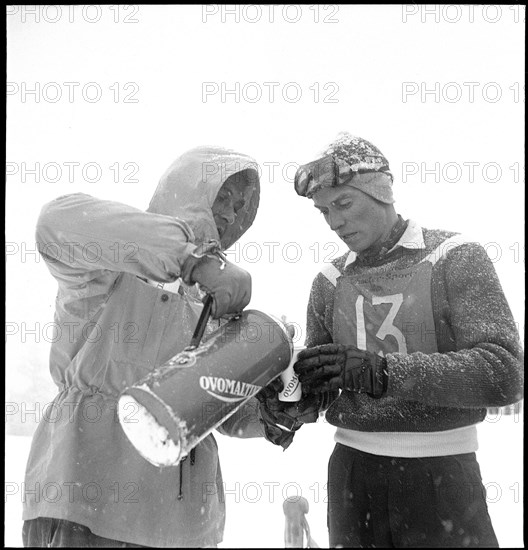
x=258, y=476
x=250, y=467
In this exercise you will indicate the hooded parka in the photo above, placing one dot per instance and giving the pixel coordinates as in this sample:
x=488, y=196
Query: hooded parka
x=114, y=324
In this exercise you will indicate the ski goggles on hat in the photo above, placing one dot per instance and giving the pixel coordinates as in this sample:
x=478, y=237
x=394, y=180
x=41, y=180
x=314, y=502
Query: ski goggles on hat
x=330, y=171
x=324, y=172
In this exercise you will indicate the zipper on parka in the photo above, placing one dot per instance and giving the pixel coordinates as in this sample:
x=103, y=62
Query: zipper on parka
x=193, y=456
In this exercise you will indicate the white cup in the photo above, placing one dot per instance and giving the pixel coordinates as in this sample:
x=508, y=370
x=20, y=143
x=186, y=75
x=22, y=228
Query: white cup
x=292, y=391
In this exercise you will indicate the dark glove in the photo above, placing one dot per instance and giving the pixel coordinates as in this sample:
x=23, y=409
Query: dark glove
x=230, y=285
x=282, y=419
x=334, y=366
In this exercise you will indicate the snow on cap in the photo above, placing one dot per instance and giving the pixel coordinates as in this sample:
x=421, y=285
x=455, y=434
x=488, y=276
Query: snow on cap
x=348, y=160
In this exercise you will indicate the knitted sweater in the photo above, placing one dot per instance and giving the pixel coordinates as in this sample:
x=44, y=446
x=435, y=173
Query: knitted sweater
x=479, y=359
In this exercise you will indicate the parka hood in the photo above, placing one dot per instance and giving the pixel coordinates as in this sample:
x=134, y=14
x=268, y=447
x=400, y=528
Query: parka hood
x=188, y=189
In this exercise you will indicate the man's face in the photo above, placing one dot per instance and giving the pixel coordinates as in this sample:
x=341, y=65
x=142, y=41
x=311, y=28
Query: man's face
x=230, y=199
x=358, y=219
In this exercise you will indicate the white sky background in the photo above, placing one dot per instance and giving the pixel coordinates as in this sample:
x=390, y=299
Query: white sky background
x=363, y=58
x=362, y=61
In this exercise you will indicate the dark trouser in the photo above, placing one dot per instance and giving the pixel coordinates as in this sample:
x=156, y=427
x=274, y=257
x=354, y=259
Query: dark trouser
x=42, y=532
x=380, y=501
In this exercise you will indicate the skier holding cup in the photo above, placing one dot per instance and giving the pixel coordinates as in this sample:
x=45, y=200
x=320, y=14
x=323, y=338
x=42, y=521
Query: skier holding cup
x=412, y=329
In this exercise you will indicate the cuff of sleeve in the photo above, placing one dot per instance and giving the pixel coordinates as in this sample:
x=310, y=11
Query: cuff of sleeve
x=171, y=266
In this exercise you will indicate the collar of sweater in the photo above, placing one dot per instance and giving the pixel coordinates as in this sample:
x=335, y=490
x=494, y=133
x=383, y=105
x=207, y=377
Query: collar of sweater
x=406, y=234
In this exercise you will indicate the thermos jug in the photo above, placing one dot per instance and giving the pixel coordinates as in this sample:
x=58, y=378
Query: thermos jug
x=181, y=402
